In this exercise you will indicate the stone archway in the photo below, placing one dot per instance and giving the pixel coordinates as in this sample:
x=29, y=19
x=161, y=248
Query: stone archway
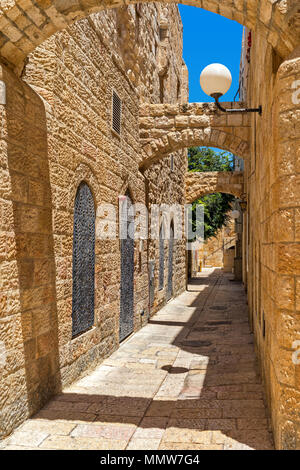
x=25, y=24
x=165, y=128
x=199, y=184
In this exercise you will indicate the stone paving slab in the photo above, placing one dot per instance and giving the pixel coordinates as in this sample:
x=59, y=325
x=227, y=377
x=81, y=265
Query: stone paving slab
x=187, y=381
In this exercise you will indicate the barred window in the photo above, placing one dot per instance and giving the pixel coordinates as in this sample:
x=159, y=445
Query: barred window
x=170, y=262
x=127, y=271
x=161, y=258
x=83, y=261
x=116, y=112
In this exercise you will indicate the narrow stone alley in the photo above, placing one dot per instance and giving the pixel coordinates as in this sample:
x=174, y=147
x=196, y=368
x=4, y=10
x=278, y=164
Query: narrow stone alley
x=187, y=380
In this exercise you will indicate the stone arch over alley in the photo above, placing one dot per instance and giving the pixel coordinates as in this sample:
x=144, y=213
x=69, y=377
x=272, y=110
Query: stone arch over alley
x=26, y=24
x=200, y=184
x=165, y=128
x=56, y=130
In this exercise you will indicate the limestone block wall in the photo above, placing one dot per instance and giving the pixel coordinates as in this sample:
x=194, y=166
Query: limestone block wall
x=216, y=247
x=198, y=184
x=48, y=147
x=165, y=186
x=27, y=23
x=165, y=128
x=55, y=133
x=271, y=237
x=76, y=76
x=28, y=296
x=147, y=45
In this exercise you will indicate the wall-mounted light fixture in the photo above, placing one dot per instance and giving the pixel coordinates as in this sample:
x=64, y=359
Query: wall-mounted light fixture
x=215, y=81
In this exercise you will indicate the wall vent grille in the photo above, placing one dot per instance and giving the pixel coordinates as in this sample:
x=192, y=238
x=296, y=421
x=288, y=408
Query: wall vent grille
x=116, y=113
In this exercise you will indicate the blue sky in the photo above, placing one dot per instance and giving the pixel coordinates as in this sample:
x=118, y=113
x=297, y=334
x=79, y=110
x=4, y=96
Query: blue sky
x=208, y=38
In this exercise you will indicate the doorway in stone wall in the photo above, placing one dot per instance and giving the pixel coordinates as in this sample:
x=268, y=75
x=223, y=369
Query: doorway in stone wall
x=170, y=263
x=127, y=269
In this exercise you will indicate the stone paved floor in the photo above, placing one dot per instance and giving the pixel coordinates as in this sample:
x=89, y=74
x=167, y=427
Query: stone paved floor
x=188, y=380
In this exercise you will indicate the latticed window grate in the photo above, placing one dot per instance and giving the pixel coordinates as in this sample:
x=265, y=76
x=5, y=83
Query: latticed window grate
x=83, y=261
x=170, y=263
x=127, y=270
x=161, y=258
x=116, y=113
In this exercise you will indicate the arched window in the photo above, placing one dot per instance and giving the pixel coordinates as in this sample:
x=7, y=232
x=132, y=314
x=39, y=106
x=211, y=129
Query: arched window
x=161, y=279
x=170, y=262
x=83, y=261
x=127, y=272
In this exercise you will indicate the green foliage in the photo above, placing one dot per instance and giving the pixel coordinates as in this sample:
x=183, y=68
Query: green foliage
x=216, y=205
x=207, y=159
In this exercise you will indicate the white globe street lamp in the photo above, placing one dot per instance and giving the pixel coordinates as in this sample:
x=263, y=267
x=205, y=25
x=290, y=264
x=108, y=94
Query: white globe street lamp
x=215, y=81
x=215, y=78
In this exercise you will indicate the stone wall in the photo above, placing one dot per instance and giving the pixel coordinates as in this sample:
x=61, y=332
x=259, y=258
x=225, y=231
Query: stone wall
x=165, y=128
x=55, y=133
x=27, y=23
x=165, y=183
x=59, y=133
x=216, y=247
x=75, y=73
x=217, y=251
x=198, y=184
x=28, y=298
x=271, y=232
